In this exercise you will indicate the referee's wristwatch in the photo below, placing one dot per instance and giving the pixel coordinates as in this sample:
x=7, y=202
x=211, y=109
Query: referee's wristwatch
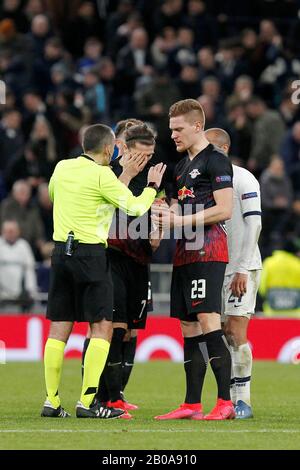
x=153, y=185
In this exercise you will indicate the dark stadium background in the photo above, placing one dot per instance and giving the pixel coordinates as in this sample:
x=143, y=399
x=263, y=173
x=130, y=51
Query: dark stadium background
x=66, y=64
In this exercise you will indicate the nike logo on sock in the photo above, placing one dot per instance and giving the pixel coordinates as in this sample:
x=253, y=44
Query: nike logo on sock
x=211, y=358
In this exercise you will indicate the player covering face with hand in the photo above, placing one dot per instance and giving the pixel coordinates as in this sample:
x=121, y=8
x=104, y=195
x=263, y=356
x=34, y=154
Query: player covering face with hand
x=130, y=258
x=86, y=189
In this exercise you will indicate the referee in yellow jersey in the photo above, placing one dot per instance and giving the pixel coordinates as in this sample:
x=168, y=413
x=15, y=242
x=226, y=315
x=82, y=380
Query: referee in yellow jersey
x=85, y=193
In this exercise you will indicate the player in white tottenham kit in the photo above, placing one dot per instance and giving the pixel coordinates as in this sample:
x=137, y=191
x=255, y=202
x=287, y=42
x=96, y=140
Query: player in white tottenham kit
x=242, y=274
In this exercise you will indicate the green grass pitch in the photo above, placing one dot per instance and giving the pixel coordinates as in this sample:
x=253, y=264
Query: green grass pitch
x=156, y=387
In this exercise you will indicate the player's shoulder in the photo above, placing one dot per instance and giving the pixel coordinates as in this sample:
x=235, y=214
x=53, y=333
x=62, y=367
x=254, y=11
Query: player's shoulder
x=244, y=178
x=62, y=165
x=217, y=157
x=216, y=152
x=106, y=171
x=243, y=172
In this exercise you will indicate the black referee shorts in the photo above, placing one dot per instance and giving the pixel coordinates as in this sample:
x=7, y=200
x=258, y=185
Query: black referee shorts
x=132, y=290
x=197, y=288
x=81, y=287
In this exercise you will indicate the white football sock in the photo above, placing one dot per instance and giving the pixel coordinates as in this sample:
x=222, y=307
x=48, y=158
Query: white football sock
x=242, y=367
x=232, y=382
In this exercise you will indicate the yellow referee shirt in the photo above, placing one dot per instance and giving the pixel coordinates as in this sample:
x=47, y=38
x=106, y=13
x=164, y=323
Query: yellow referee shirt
x=85, y=196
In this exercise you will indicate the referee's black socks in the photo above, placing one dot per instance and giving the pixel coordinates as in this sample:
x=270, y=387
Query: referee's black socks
x=195, y=364
x=220, y=361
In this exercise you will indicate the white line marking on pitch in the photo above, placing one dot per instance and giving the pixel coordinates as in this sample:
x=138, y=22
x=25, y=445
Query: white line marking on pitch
x=112, y=431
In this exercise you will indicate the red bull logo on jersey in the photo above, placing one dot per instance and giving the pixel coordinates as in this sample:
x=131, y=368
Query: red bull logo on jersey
x=185, y=192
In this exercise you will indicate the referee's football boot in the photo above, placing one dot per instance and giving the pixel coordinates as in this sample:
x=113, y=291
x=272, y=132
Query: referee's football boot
x=49, y=411
x=121, y=405
x=96, y=410
x=224, y=409
x=242, y=410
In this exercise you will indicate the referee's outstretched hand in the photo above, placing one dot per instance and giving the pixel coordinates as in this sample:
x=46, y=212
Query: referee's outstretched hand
x=156, y=173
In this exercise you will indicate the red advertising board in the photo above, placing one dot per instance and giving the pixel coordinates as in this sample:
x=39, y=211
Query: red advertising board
x=22, y=338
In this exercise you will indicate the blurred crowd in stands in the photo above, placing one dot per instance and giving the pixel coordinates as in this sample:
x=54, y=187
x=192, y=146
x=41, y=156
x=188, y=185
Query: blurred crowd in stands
x=67, y=64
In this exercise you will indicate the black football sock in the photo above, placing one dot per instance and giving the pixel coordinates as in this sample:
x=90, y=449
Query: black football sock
x=220, y=361
x=128, y=350
x=195, y=364
x=113, y=368
x=85, y=346
x=102, y=393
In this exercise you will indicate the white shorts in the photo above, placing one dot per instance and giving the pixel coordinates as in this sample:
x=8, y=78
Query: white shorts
x=245, y=306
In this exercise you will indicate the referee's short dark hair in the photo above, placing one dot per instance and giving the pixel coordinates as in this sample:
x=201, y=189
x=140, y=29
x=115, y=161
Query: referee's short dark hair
x=96, y=137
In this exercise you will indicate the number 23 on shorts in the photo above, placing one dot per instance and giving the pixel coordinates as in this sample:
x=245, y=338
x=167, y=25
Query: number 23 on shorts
x=198, y=290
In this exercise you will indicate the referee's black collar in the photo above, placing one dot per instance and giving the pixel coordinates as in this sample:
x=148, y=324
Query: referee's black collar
x=87, y=157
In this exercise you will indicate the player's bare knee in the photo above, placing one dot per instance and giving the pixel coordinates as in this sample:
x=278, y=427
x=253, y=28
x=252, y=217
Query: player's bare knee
x=60, y=331
x=236, y=330
x=228, y=334
x=190, y=329
x=231, y=339
x=102, y=329
x=209, y=322
x=127, y=336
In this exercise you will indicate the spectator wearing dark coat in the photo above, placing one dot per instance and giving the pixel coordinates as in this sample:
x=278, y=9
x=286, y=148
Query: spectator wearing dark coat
x=276, y=201
x=154, y=102
x=53, y=54
x=133, y=61
x=11, y=137
x=268, y=131
x=201, y=22
x=18, y=206
x=39, y=34
x=13, y=10
x=184, y=53
x=290, y=152
x=77, y=29
x=168, y=14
